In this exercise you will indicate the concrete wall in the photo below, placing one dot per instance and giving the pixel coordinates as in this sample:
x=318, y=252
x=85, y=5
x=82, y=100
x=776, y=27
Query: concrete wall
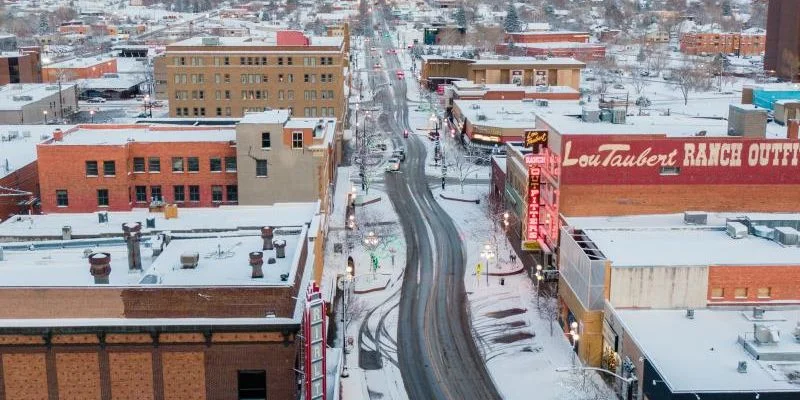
x=659, y=287
x=33, y=112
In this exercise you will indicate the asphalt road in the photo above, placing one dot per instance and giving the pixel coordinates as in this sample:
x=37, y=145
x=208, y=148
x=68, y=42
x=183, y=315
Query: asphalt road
x=437, y=355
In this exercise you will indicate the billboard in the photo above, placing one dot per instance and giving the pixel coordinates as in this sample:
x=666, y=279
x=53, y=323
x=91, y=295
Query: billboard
x=540, y=78
x=607, y=160
x=516, y=77
x=535, y=137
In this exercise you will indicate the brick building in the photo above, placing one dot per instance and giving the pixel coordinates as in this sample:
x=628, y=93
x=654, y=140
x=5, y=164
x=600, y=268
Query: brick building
x=229, y=76
x=81, y=68
x=524, y=71
x=21, y=66
x=748, y=43
x=783, y=39
x=266, y=158
x=547, y=37
x=182, y=324
x=468, y=90
x=580, y=51
x=692, y=261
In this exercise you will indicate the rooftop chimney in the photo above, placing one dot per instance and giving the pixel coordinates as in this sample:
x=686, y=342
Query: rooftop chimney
x=100, y=267
x=132, y=233
x=256, y=261
x=280, y=248
x=793, y=126
x=189, y=260
x=58, y=135
x=267, y=234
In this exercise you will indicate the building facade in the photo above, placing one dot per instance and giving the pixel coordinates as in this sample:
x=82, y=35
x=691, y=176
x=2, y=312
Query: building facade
x=523, y=71
x=738, y=43
x=82, y=68
x=229, y=77
x=21, y=66
x=37, y=103
x=782, y=53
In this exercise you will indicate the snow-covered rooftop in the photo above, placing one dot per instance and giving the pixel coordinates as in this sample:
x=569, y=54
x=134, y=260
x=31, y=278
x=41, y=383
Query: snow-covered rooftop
x=510, y=113
x=665, y=240
x=21, y=150
x=113, y=135
x=532, y=61
x=270, y=39
x=266, y=117
x=120, y=82
x=17, y=95
x=702, y=354
x=558, y=45
x=468, y=87
x=80, y=62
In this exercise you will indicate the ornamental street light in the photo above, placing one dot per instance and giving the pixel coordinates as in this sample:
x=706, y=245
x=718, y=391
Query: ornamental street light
x=487, y=254
x=538, y=282
x=45, y=116
x=371, y=241
x=91, y=114
x=575, y=337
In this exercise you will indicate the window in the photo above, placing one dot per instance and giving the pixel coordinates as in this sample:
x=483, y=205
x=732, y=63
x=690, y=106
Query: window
x=102, y=197
x=155, y=193
x=280, y=94
x=91, y=168
x=62, y=198
x=230, y=164
x=193, y=164
x=227, y=111
x=669, y=171
x=141, y=194
x=265, y=140
x=138, y=164
x=227, y=95
x=717, y=293
x=178, y=112
x=154, y=164
x=241, y=61
x=227, y=61
x=280, y=60
x=232, y=192
x=179, y=193
x=109, y=168
x=215, y=164
x=219, y=111
x=252, y=384
x=217, y=78
x=226, y=78
x=177, y=164
x=290, y=77
x=764, y=293
x=297, y=140
x=261, y=168
x=309, y=61
x=194, y=193
x=288, y=60
x=740, y=293
x=216, y=193
x=290, y=94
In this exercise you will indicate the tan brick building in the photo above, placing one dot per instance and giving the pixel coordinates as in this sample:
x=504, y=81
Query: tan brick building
x=738, y=43
x=230, y=76
x=523, y=71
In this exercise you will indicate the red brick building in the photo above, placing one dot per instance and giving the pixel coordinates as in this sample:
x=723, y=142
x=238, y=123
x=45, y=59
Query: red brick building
x=547, y=37
x=738, y=43
x=23, y=66
x=577, y=50
x=118, y=167
x=81, y=68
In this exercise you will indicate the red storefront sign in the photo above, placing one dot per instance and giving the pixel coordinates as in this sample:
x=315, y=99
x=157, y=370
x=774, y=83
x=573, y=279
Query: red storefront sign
x=314, y=335
x=607, y=160
x=534, y=175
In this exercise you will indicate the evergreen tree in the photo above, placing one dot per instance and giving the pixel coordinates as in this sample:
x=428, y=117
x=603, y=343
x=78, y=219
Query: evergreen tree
x=512, y=23
x=44, y=25
x=726, y=8
x=461, y=17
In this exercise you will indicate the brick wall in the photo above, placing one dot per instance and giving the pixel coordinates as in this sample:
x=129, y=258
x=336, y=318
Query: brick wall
x=184, y=375
x=594, y=200
x=215, y=302
x=61, y=302
x=78, y=376
x=26, y=179
x=223, y=363
x=781, y=281
x=25, y=376
x=131, y=375
x=64, y=167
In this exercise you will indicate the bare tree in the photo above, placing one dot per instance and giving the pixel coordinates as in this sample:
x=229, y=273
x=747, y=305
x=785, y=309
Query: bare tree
x=657, y=61
x=638, y=81
x=548, y=304
x=586, y=385
x=689, y=77
x=466, y=162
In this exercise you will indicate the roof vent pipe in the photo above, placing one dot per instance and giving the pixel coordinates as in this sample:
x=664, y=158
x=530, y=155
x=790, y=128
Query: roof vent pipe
x=100, y=267
x=256, y=261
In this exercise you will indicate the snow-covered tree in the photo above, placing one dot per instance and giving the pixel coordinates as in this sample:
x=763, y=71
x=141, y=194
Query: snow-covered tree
x=44, y=25
x=512, y=23
x=461, y=17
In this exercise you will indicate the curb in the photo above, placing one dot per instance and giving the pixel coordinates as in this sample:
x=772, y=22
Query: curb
x=519, y=271
x=461, y=200
x=368, y=202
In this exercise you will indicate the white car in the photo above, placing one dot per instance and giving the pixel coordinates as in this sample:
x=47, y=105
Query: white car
x=393, y=165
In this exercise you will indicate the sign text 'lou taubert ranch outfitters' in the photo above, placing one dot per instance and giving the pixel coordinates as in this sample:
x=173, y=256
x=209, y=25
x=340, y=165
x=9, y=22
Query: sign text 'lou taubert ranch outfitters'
x=604, y=160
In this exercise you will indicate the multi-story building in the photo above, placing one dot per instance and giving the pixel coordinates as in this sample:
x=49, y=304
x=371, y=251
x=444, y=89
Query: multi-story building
x=547, y=37
x=230, y=76
x=37, y=103
x=193, y=315
x=748, y=43
x=782, y=54
x=21, y=66
x=523, y=71
x=578, y=50
x=267, y=158
x=80, y=68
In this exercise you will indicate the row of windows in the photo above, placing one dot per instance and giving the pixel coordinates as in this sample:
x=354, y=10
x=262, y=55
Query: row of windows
x=200, y=61
x=742, y=293
x=181, y=164
x=109, y=168
x=231, y=194
x=251, y=78
x=201, y=111
x=253, y=95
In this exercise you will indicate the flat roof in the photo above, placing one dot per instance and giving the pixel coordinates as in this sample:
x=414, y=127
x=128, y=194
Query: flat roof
x=669, y=125
x=80, y=62
x=121, y=82
x=664, y=240
x=510, y=113
x=113, y=135
x=190, y=220
x=270, y=39
x=702, y=354
x=266, y=117
x=538, y=33
x=468, y=87
x=558, y=45
x=17, y=95
x=21, y=150
x=532, y=61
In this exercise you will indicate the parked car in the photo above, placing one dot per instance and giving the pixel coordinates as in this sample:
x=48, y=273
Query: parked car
x=619, y=86
x=400, y=155
x=393, y=165
x=96, y=100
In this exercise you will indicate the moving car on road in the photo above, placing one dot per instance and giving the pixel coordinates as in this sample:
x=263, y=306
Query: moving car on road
x=393, y=165
x=96, y=100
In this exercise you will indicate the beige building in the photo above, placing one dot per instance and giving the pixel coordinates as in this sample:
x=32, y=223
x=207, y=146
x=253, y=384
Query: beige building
x=521, y=71
x=230, y=76
x=36, y=103
x=278, y=157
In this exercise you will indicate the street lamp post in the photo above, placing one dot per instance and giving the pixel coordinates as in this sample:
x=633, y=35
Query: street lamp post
x=488, y=254
x=146, y=103
x=45, y=116
x=91, y=114
x=538, y=282
x=575, y=337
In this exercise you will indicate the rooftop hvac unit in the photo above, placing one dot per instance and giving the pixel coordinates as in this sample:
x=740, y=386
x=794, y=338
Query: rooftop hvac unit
x=591, y=115
x=742, y=367
x=695, y=218
x=736, y=230
x=481, y=117
x=51, y=87
x=763, y=231
x=758, y=313
x=541, y=57
x=22, y=98
x=618, y=116
x=475, y=106
x=786, y=236
x=542, y=103
x=210, y=41
x=542, y=89
x=690, y=313
x=766, y=334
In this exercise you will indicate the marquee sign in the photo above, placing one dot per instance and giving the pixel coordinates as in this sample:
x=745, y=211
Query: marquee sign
x=535, y=137
x=314, y=334
x=534, y=162
x=603, y=159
